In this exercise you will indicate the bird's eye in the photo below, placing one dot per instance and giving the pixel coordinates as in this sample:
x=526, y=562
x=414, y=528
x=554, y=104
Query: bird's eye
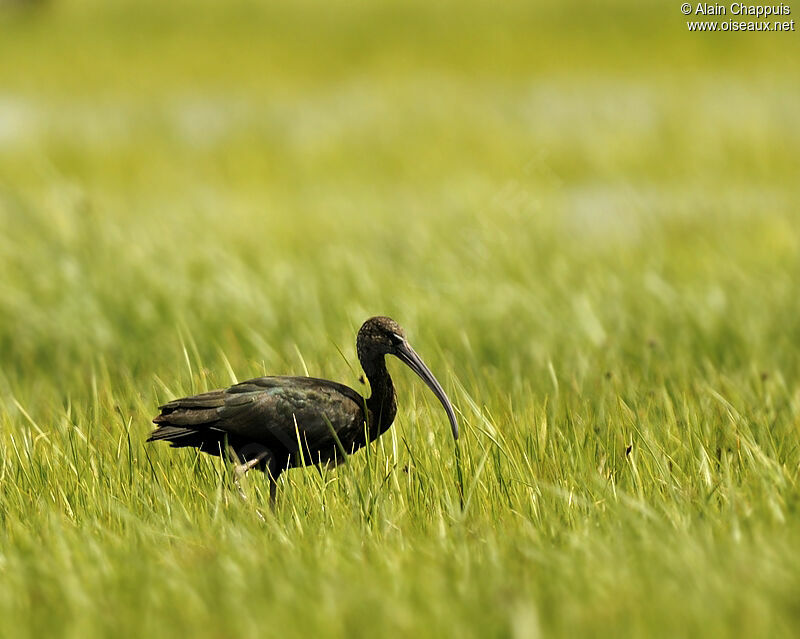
x=396, y=339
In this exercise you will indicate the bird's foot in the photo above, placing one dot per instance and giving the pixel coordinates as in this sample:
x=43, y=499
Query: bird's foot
x=253, y=455
x=241, y=469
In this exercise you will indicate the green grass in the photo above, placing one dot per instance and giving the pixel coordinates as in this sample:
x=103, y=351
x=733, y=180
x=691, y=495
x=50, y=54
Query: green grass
x=586, y=219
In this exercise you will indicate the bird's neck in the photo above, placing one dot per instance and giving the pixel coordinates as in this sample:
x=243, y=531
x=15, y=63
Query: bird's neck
x=382, y=403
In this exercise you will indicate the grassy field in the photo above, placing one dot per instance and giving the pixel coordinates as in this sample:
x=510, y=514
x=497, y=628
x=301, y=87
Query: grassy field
x=587, y=220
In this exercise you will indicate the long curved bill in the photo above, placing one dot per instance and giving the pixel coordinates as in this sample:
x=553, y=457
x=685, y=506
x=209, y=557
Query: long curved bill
x=409, y=356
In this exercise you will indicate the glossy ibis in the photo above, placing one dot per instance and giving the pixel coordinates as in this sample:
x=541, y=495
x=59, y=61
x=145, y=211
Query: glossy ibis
x=277, y=423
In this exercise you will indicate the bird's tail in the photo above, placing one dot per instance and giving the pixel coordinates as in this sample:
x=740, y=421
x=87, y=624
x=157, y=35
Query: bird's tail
x=191, y=421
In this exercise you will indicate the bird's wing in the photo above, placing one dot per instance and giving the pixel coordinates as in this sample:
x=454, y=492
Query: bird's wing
x=279, y=412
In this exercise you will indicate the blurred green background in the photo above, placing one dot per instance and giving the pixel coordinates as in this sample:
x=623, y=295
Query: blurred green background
x=584, y=215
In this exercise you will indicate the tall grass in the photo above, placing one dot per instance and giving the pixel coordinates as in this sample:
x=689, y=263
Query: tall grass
x=590, y=237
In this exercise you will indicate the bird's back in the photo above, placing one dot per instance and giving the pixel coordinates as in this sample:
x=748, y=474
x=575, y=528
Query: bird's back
x=288, y=415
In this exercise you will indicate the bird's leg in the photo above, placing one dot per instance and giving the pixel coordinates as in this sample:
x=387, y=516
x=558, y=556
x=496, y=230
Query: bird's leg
x=251, y=456
x=273, y=488
x=242, y=469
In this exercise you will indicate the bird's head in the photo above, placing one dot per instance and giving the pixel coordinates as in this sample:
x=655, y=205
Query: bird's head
x=380, y=336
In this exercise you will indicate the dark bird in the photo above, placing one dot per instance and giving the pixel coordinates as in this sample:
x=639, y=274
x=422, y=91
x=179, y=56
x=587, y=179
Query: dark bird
x=277, y=423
